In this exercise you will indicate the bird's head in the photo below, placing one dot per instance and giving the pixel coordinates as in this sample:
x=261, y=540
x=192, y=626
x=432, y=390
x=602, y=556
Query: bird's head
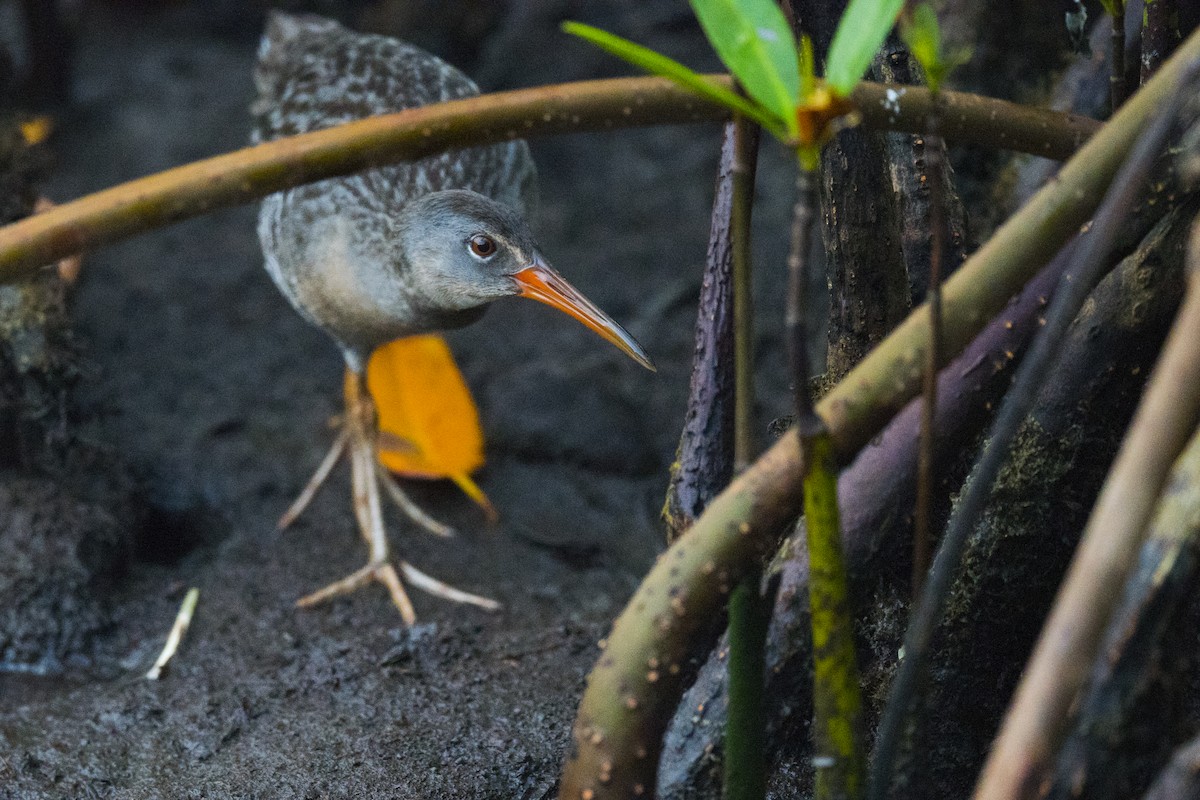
x=466, y=250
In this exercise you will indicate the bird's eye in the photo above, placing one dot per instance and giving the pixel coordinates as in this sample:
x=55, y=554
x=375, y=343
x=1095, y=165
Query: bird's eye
x=482, y=246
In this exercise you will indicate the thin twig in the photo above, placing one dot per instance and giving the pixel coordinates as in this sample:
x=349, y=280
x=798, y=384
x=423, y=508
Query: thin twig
x=745, y=766
x=837, y=702
x=1117, y=76
x=922, y=534
x=796, y=312
x=182, y=620
x=745, y=161
x=1088, y=266
x=839, y=759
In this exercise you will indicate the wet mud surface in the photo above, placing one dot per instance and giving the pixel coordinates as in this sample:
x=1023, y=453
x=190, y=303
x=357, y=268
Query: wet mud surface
x=210, y=397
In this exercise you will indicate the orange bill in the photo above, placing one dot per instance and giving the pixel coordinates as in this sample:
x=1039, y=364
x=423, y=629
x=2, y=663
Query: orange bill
x=428, y=423
x=543, y=284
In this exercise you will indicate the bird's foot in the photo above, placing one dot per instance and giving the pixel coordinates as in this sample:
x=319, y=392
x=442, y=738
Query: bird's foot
x=405, y=503
x=357, y=441
x=386, y=574
x=433, y=586
x=381, y=573
x=409, y=507
x=316, y=481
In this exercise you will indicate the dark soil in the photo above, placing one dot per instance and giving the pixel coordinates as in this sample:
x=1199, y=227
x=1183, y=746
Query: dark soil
x=209, y=397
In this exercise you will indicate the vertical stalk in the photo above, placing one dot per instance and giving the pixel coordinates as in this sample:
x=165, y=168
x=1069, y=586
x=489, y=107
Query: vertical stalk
x=838, y=752
x=837, y=702
x=1117, y=78
x=745, y=159
x=922, y=535
x=795, y=319
x=745, y=775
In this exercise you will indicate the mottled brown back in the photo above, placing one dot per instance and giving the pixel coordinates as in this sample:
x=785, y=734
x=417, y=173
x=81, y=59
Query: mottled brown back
x=313, y=73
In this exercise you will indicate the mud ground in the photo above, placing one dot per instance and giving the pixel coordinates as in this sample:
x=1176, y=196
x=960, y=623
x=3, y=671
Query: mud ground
x=207, y=397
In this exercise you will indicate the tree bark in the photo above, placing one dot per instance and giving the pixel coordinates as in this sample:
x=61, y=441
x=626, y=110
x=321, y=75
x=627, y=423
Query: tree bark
x=1064, y=450
x=704, y=459
x=37, y=362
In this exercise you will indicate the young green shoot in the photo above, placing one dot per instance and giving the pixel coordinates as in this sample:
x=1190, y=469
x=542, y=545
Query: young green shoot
x=784, y=95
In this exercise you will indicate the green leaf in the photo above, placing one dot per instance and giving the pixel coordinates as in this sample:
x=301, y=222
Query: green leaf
x=924, y=40
x=658, y=64
x=1114, y=7
x=861, y=31
x=754, y=40
x=923, y=37
x=808, y=69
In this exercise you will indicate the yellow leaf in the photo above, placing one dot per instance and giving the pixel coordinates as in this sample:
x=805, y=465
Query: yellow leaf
x=428, y=422
x=36, y=130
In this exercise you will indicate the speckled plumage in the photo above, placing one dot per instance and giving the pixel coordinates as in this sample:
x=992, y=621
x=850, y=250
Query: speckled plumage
x=331, y=246
x=392, y=251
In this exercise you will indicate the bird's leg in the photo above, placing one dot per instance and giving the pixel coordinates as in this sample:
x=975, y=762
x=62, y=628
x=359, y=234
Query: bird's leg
x=360, y=436
x=316, y=481
x=410, y=508
x=367, y=511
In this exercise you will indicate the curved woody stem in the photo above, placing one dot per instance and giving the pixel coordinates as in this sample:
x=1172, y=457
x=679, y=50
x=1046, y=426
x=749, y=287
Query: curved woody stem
x=254, y=172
